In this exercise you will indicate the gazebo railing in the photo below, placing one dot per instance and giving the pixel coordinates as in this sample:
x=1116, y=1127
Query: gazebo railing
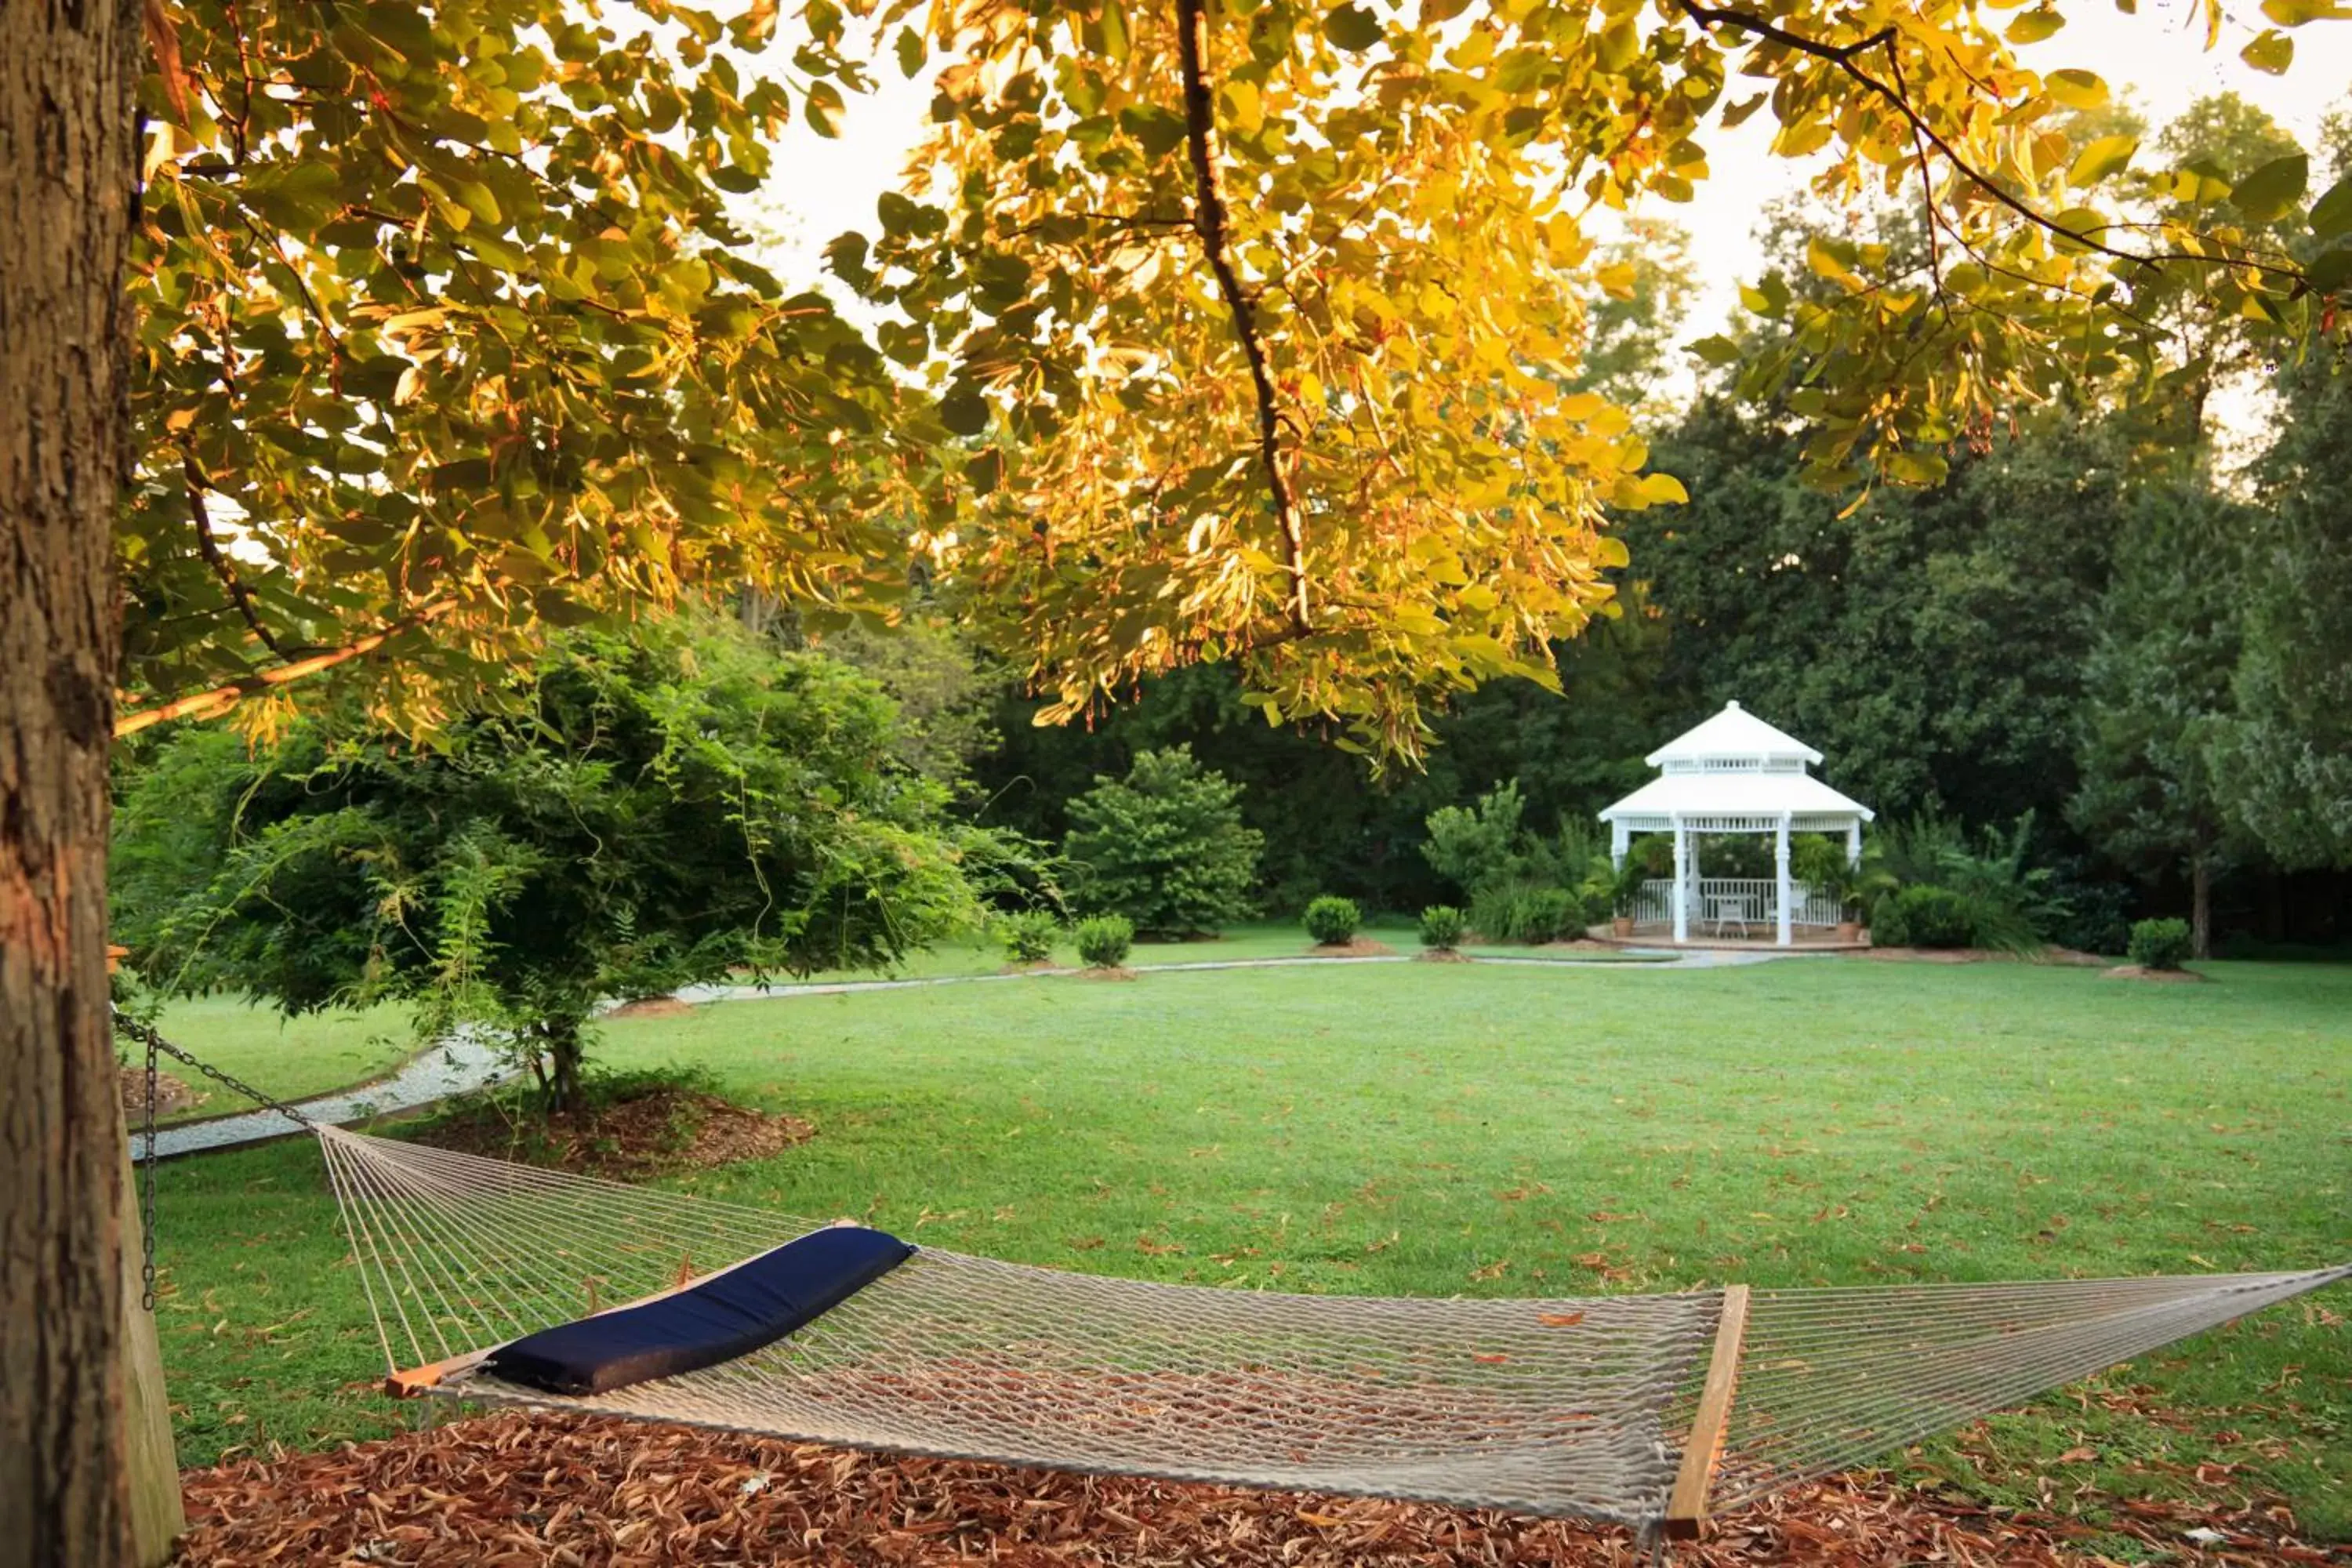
x=1752, y=902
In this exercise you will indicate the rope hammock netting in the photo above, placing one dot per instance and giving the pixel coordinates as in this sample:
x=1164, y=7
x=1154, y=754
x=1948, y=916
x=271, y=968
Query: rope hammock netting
x=1645, y=1411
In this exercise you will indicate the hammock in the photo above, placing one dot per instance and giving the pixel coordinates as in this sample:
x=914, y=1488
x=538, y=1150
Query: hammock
x=1645, y=1411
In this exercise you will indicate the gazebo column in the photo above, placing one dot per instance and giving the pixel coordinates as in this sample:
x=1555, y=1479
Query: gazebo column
x=1619, y=840
x=1781, y=871
x=1854, y=843
x=1681, y=881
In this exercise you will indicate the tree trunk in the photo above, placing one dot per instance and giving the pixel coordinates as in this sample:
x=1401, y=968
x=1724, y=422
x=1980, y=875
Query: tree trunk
x=563, y=1052
x=2200, y=906
x=68, y=159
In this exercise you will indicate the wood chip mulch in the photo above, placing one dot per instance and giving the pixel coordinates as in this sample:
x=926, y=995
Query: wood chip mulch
x=1354, y=947
x=510, y=1489
x=2160, y=976
x=172, y=1095
x=653, y=1134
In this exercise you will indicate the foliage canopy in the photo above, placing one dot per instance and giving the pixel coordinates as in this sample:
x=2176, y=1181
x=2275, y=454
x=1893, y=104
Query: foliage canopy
x=682, y=807
x=1246, y=331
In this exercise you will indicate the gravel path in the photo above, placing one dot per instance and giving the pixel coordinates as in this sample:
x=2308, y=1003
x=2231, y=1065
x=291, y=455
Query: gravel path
x=467, y=1062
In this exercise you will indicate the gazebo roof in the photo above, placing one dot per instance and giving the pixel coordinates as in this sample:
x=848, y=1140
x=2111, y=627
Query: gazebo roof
x=1736, y=773
x=1740, y=794
x=1734, y=733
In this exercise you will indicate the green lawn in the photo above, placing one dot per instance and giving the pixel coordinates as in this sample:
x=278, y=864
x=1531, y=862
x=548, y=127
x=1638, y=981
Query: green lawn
x=290, y=1058
x=1492, y=1130
x=1261, y=939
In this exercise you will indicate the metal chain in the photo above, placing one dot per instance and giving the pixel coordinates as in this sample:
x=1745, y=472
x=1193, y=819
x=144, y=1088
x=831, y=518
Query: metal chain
x=145, y=1033
x=155, y=1042
x=147, y=1186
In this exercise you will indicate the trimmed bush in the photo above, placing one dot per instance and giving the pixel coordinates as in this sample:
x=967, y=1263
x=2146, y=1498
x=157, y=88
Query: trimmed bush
x=1935, y=917
x=1442, y=926
x=1029, y=936
x=1331, y=921
x=1105, y=941
x=2158, y=944
x=1529, y=914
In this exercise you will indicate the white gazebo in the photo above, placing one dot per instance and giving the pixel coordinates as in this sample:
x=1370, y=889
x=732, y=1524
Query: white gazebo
x=1735, y=773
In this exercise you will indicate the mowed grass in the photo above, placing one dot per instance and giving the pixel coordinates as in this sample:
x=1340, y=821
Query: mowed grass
x=290, y=1058
x=1493, y=1129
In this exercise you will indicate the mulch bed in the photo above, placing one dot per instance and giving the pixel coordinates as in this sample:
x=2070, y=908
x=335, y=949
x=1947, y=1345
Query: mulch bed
x=506, y=1490
x=652, y=1007
x=1110, y=972
x=1354, y=947
x=2160, y=976
x=1444, y=955
x=172, y=1095
x=653, y=1134
x=2064, y=956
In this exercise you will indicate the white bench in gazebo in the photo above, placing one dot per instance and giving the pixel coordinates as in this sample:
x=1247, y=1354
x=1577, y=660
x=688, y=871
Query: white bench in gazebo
x=1735, y=773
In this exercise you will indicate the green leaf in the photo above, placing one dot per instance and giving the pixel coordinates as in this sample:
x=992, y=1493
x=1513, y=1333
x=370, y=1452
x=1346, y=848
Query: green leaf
x=1718, y=350
x=911, y=53
x=2271, y=54
x=2035, y=25
x=2099, y=160
x=963, y=411
x=2270, y=191
x=1161, y=131
x=1908, y=467
x=2296, y=13
x=1114, y=30
x=2331, y=215
x=825, y=108
x=2331, y=270
x=1352, y=27
x=2077, y=90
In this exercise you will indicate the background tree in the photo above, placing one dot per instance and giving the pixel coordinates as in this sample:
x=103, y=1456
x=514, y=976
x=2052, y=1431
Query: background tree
x=2156, y=694
x=677, y=807
x=2286, y=763
x=1164, y=847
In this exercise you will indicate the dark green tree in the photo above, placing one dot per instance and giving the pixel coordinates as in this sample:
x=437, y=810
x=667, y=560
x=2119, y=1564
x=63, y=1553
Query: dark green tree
x=2157, y=694
x=679, y=806
x=2286, y=762
x=1164, y=847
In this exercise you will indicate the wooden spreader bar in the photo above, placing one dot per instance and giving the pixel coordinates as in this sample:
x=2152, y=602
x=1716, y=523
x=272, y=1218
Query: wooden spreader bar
x=1686, y=1505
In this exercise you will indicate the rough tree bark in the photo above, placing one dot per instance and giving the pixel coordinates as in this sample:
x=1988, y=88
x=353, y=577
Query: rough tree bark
x=69, y=160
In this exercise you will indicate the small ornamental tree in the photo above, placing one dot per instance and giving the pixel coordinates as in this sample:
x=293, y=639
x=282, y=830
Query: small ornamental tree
x=644, y=814
x=1164, y=847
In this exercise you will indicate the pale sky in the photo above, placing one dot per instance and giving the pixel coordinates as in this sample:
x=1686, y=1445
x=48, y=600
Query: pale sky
x=2154, y=59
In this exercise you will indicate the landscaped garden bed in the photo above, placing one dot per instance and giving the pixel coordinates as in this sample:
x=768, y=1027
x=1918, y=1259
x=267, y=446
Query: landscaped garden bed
x=527, y=1489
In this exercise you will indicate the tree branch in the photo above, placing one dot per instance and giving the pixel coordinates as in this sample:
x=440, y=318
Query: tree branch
x=1210, y=220
x=1843, y=57
x=220, y=699
x=209, y=548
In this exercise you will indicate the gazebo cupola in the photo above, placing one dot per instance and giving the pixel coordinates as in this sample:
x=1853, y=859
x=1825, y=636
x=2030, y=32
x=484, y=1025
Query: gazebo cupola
x=1735, y=773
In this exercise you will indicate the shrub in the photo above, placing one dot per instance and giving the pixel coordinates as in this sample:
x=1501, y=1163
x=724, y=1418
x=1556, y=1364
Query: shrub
x=1331, y=921
x=2158, y=944
x=1104, y=939
x=1164, y=845
x=1527, y=914
x=1442, y=926
x=1029, y=936
x=1480, y=846
x=1935, y=916
x=1888, y=926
